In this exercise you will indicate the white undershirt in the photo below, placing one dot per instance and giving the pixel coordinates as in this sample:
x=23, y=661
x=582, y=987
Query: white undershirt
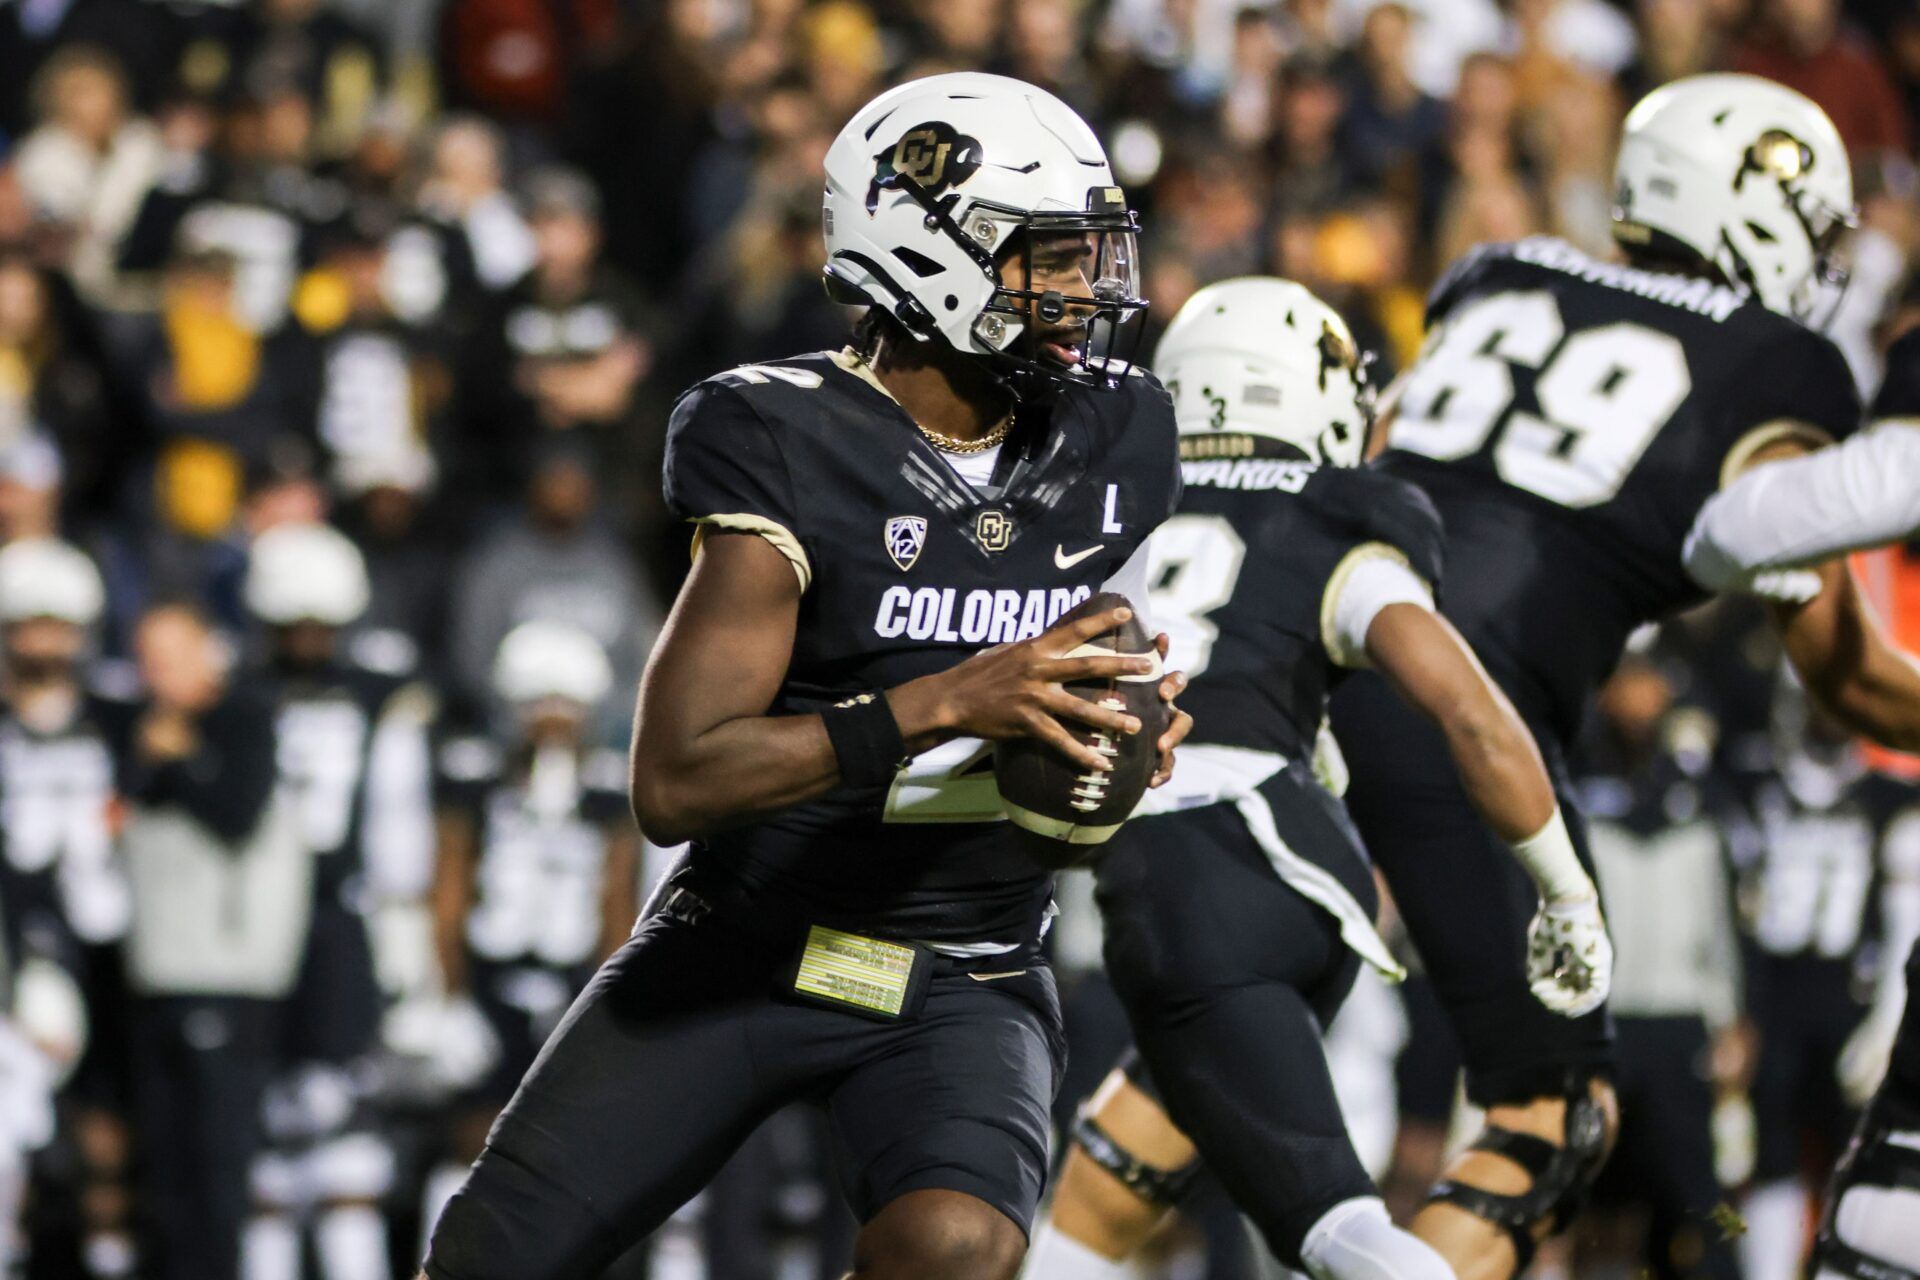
x=975, y=468
x=1864, y=492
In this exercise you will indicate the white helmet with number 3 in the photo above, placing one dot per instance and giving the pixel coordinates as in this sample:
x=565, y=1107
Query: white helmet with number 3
x=1745, y=174
x=1261, y=356
x=933, y=182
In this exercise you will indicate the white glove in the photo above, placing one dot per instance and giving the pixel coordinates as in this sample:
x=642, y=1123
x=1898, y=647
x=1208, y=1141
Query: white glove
x=1569, y=957
x=1863, y=1059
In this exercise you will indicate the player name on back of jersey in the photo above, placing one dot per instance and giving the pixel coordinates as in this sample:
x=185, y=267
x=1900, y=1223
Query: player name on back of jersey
x=979, y=616
x=1700, y=296
x=1284, y=474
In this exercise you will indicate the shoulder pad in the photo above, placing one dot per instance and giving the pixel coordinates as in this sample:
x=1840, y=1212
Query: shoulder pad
x=1460, y=278
x=470, y=760
x=760, y=375
x=1372, y=506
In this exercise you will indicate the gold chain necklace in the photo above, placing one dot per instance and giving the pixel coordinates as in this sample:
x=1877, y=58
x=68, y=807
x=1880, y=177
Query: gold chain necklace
x=948, y=444
x=938, y=439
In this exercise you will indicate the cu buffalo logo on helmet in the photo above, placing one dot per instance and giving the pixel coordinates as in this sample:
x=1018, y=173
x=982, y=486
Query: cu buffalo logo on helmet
x=934, y=155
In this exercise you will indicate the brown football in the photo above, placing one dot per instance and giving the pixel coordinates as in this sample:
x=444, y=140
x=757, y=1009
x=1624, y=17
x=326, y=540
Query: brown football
x=1064, y=814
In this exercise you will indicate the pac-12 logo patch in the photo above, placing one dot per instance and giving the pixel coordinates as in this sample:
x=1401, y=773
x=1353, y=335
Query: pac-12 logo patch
x=935, y=155
x=905, y=536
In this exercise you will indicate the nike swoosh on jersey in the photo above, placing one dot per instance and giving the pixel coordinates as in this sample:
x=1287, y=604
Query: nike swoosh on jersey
x=1064, y=561
x=995, y=977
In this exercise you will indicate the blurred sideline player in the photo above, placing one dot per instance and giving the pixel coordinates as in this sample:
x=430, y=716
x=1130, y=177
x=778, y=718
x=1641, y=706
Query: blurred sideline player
x=871, y=524
x=1657, y=815
x=1570, y=418
x=1823, y=828
x=63, y=897
x=1761, y=534
x=537, y=878
x=354, y=760
x=1236, y=922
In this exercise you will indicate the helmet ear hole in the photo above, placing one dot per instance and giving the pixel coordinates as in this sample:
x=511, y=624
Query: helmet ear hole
x=1760, y=233
x=918, y=263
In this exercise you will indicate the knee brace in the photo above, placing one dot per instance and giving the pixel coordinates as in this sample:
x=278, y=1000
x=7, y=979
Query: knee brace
x=1155, y=1186
x=1871, y=1227
x=1561, y=1175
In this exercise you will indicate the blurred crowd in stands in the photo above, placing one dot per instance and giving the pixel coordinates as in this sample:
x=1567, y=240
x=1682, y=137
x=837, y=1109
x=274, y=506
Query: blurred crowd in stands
x=336, y=346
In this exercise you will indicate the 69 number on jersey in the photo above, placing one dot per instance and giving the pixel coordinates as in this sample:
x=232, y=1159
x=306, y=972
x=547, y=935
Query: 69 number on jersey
x=1603, y=393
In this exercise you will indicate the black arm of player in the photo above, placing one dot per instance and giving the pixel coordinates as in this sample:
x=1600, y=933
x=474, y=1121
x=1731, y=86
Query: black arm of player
x=1423, y=657
x=706, y=755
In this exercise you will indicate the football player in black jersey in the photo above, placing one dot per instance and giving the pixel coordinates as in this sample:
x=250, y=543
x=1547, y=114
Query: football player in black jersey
x=64, y=900
x=354, y=761
x=1760, y=535
x=886, y=535
x=1238, y=920
x=538, y=869
x=1570, y=418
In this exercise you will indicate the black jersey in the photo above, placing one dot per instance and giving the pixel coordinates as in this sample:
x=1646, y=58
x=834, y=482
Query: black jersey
x=1811, y=864
x=906, y=569
x=328, y=723
x=60, y=879
x=1899, y=394
x=541, y=829
x=1244, y=577
x=1569, y=418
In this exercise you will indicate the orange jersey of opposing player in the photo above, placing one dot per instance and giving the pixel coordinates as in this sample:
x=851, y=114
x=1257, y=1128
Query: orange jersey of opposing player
x=1891, y=579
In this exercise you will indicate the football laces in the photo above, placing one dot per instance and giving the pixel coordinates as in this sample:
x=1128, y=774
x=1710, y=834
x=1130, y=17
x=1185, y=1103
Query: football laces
x=1090, y=788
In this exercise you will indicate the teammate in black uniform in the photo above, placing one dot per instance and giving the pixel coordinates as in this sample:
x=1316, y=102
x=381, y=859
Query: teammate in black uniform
x=64, y=901
x=872, y=524
x=538, y=869
x=1811, y=889
x=1759, y=535
x=1569, y=419
x=1237, y=922
x=354, y=760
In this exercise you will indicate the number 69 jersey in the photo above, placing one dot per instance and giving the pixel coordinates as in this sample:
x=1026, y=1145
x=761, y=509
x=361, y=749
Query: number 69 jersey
x=1569, y=417
x=906, y=567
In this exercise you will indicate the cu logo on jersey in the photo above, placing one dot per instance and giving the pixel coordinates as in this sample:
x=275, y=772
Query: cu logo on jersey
x=993, y=530
x=905, y=536
x=935, y=155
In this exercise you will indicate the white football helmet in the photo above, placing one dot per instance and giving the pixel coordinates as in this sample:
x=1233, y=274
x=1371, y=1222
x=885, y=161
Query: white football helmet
x=1743, y=173
x=542, y=659
x=1259, y=356
x=306, y=573
x=48, y=578
x=933, y=183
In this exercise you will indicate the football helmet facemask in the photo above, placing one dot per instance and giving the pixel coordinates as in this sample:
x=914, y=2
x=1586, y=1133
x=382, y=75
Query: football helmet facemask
x=980, y=211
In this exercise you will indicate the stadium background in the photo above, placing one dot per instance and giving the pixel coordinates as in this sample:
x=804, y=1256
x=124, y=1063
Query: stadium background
x=434, y=270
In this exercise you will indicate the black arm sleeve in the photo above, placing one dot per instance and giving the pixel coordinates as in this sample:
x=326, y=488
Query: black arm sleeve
x=228, y=781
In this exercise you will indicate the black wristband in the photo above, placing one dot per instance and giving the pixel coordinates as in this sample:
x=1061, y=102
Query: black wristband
x=866, y=740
